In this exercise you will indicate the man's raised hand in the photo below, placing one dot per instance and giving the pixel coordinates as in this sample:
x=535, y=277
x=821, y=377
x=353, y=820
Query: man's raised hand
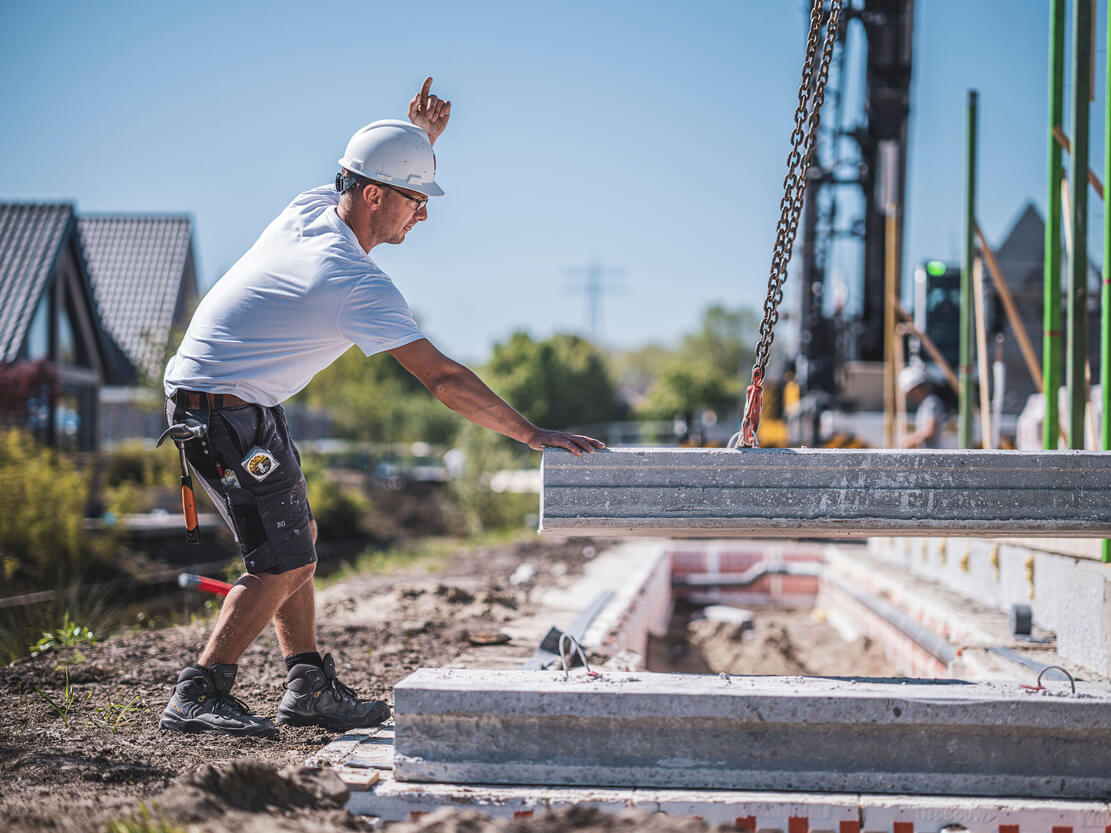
x=429, y=112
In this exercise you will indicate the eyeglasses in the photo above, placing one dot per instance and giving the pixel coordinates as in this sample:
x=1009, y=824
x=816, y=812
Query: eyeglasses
x=419, y=203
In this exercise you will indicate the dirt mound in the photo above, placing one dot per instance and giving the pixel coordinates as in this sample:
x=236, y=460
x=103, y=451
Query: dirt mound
x=727, y=648
x=79, y=736
x=254, y=795
x=780, y=642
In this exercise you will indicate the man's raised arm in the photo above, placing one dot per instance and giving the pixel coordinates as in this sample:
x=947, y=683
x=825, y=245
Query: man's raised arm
x=429, y=112
x=460, y=389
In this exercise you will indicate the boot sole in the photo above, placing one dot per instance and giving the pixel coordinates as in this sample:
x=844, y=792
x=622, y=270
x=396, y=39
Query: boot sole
x=198, y=727
x=326, y=723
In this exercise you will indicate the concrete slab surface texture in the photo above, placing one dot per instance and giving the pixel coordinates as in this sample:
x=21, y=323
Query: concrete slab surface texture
x=744, y=811
x=364, y=761
x=754, y=733
x=826, y=492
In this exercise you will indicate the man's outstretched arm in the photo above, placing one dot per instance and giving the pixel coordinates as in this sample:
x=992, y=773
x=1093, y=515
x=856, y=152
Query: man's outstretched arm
x=460, y=389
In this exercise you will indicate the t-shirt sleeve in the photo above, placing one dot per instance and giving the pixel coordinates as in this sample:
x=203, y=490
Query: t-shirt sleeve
x=376, y=317
x=931, y=408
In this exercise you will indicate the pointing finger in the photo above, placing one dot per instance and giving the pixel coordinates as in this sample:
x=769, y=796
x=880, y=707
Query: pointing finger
x=424, y=92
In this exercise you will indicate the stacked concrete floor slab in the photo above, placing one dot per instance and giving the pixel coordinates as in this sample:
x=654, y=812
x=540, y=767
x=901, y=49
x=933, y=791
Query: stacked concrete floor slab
x=796, y=733
x=700, y=746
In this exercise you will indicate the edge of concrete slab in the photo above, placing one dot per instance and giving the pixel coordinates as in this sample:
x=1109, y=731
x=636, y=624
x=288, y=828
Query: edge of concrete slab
x=747, y=810
x=826, y=492
x=798, y=733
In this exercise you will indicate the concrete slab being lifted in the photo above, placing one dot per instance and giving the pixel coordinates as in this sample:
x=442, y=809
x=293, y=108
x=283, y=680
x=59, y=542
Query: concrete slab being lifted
x=754, y=733
x=673, y=492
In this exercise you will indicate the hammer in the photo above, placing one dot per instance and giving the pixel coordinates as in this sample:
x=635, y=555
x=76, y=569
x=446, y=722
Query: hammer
x=182, y=433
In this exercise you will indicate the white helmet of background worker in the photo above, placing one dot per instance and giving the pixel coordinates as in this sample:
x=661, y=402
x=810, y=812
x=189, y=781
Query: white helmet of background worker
x=394, y=152
x=911, y=377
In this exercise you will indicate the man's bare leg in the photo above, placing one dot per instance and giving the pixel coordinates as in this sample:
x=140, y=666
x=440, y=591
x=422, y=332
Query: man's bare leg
x=248, y=608
x=295, y=621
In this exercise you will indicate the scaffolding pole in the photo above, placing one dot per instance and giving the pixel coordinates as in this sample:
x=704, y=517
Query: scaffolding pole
x=1051, y=316
x=1105, y=292
x=965, y=423
x=1077, y=303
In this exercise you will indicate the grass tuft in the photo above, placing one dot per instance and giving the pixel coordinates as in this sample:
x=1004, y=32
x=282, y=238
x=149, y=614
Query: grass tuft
x=144, y=823
x=64, y=708
x=67, y=635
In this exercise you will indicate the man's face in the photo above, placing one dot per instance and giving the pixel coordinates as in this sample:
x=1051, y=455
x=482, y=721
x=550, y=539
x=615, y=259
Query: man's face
x=399, y=210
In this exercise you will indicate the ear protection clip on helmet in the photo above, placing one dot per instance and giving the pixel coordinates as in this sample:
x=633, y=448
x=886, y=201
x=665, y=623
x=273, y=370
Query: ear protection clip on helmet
x=344, y=182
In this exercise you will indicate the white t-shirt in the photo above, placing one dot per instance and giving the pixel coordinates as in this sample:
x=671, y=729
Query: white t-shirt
x=293, y=304
x=930, y=409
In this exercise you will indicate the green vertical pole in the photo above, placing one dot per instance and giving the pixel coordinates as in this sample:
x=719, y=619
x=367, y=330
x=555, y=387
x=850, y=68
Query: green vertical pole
x=1051, y=315
x=1077, y=301
x=965, y=423
x=1105, y=289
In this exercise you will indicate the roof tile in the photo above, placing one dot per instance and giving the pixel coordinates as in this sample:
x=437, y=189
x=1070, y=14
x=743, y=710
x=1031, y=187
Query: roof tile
x=136, y=266
x=31, y=236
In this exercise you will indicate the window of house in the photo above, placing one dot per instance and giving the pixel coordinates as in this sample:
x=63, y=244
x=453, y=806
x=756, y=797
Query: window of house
x=71, y=350
x=37, y=343
x=67, y=420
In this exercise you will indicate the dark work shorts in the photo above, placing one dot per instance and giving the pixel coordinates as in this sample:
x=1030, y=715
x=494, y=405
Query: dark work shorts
x=270, y=517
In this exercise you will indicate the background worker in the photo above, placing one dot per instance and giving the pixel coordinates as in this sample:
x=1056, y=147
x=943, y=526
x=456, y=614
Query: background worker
x=297, y=300
x=930, y=412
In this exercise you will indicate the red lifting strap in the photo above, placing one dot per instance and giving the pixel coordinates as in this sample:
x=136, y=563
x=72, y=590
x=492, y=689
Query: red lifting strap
x=754, y=401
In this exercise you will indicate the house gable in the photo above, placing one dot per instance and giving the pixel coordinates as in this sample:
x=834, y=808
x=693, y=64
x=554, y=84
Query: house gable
x=144, y=280
x=31, y=244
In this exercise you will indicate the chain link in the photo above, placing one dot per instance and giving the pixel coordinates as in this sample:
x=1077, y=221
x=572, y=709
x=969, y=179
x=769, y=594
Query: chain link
x=803, y=137
x=808, y=114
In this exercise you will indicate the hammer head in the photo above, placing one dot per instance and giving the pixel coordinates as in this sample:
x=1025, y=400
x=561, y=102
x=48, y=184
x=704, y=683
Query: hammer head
x=182, y=432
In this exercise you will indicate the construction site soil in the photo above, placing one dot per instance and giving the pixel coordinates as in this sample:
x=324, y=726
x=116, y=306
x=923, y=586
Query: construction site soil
x=80, y=743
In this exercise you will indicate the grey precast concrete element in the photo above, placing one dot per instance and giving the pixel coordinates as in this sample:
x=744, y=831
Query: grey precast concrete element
x=754, y=733
x=675, y=492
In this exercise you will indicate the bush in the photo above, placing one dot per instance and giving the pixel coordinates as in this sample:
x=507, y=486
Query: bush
x=132, y=475
x=338, y=510
x=137, y=464
x=42, y=506
x=557, y=383
x=486, y=452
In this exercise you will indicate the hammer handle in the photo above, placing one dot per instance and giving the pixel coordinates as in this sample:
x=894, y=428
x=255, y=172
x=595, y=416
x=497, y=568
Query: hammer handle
x=189, y=507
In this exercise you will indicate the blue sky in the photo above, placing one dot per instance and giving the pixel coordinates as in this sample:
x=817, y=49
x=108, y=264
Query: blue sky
x=650, y=136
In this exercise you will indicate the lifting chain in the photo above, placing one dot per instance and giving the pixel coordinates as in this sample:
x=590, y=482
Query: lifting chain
x=812, y=92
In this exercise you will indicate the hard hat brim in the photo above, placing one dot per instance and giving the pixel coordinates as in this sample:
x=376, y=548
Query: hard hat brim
x=429, y=189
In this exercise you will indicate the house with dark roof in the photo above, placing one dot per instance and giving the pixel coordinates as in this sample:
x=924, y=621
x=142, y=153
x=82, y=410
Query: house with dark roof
x=95, y=300
x=144, y=280
x=48, y=316
x=1021, y=260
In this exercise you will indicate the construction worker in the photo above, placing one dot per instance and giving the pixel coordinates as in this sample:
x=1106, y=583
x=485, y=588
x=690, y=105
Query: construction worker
x=297, y=300
x=929, y=414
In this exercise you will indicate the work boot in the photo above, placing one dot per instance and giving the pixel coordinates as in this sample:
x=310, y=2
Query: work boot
x=314, y=697
x=202, y=702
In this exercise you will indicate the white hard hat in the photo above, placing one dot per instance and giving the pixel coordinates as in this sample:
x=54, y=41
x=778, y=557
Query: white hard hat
x=911, y=377
x=395, y=152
